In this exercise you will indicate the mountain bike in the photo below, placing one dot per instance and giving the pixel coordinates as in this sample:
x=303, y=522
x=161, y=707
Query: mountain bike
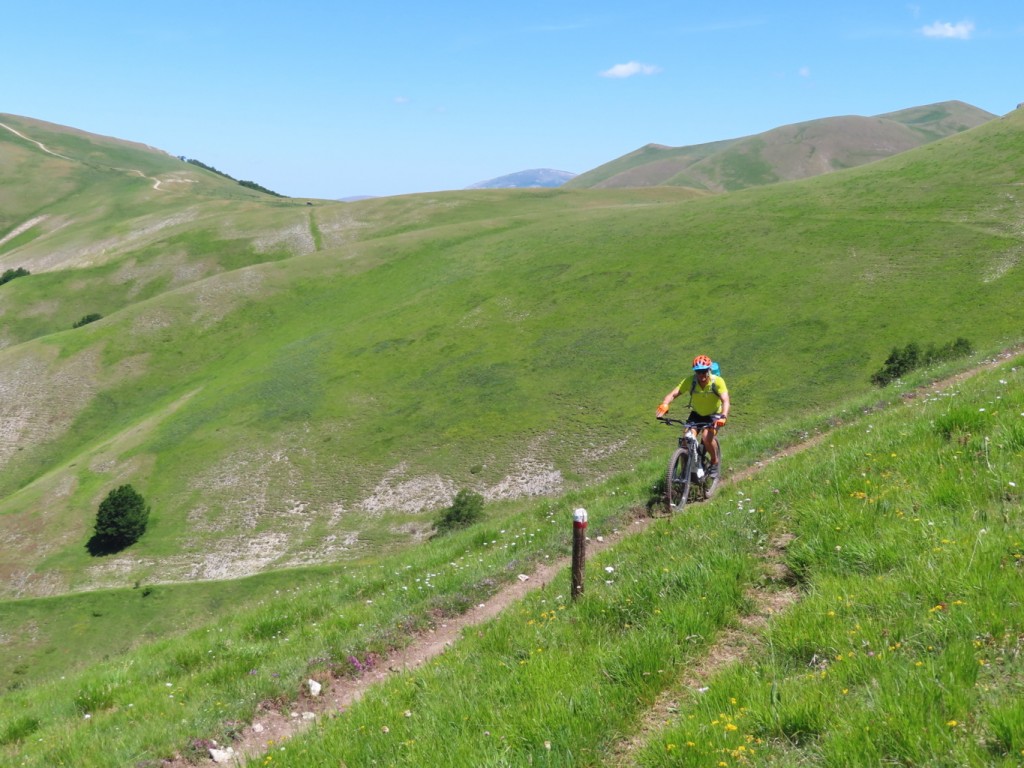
x=688, y=477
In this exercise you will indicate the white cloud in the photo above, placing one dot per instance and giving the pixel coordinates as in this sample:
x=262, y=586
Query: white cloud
x=960, y=31
x=630, y=69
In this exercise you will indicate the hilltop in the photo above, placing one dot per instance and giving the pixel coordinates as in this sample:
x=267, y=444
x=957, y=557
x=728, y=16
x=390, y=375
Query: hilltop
x=797, y=151
x=297, y=382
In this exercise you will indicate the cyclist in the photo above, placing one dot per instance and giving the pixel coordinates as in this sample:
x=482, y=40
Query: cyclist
x=709, y=401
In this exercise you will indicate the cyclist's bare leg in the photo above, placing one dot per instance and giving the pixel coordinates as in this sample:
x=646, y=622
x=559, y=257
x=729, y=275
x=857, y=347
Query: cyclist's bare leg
x=709, y=444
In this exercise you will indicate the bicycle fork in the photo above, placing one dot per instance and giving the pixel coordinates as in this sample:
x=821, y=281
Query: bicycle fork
x=690, y=442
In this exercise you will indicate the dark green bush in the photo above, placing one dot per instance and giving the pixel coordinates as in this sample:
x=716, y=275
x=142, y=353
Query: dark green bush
x=90, y=318
x=121, y=519
x=10, y=274
x=258, y=188
x=466, y=509
x=902, y=361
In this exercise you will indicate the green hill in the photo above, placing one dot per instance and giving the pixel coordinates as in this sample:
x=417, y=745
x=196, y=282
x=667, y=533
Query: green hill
x=791, y=152
x=296, y=389
x=290, y=383
x=856, y=604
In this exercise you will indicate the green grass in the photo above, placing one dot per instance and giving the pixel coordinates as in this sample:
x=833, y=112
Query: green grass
x=904, y=647
x=264, y=370
x=906, y=545
x=37, y=629
x=261, y=356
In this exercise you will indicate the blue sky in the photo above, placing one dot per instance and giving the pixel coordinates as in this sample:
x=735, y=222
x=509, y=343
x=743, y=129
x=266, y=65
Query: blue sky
x=336, y=99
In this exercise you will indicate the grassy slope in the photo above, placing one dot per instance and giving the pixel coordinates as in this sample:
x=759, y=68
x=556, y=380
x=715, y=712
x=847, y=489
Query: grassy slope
x=469, y=338
x=648, y=166
x=904, y=649
x=790, y=152
x=906, y=546
x=975, y=223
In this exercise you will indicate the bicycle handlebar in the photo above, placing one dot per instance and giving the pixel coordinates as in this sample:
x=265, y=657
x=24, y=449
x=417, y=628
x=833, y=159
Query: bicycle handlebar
x=670, y=421
x=683, y=423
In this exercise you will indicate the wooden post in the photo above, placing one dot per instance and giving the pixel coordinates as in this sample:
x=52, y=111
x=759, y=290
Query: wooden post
x=579, y=550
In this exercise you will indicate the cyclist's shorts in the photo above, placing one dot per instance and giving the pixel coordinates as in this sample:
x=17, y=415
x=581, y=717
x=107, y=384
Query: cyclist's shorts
x=704, y=421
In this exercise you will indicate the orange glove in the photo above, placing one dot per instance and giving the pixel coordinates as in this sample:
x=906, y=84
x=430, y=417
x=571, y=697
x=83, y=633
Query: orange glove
x=719, y=422
x=662, y=409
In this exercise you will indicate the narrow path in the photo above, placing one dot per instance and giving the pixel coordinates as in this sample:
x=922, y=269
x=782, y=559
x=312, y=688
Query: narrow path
x=270, y=726
x=774, y=595
x=33, y=141
x=156, y=182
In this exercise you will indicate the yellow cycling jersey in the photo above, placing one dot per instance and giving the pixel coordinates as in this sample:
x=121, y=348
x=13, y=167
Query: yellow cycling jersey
x=705, y=400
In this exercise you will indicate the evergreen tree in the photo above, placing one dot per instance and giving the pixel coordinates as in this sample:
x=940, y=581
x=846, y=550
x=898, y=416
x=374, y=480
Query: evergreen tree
x=122, y=517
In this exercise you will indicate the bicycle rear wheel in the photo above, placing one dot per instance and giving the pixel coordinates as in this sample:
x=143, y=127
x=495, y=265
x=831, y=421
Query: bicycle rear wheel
x=677, y=480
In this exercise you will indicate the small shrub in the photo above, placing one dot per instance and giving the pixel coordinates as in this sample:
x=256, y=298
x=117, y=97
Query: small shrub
x=466, y=509
x=90, y=318
x=10, y=274
x=902, y=361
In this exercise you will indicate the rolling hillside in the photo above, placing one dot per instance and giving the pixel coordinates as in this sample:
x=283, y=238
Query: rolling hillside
x=855, y=603
x=791, y=152
x=292, y=382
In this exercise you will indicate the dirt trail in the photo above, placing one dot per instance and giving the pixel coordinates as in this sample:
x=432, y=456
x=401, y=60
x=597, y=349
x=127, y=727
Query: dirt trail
x=47, y=150
x=39, y=144
x=773, y=595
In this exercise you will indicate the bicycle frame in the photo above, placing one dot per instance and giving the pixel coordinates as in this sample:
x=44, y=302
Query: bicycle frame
x=693, y=428
x=687, y=473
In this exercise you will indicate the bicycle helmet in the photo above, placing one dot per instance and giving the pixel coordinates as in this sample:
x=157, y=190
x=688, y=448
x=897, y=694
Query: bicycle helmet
x=701, y=363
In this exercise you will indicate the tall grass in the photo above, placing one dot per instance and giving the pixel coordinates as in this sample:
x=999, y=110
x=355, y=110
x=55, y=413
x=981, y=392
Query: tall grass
x=905, y=646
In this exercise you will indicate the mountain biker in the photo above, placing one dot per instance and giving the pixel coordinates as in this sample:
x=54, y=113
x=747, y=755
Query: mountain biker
x=709, y=401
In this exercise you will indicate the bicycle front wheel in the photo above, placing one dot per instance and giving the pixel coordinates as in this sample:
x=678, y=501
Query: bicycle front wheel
x=710, y=483
x=677, y=480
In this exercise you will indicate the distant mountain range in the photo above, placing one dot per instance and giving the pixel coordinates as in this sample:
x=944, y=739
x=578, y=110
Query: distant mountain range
x=533, y=178
x=537, y=177
x=796, y=151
